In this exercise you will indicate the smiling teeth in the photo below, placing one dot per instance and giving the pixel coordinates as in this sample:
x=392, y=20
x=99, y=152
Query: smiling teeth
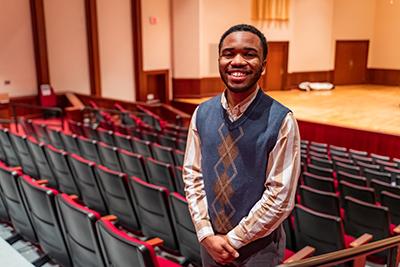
x=238, y=74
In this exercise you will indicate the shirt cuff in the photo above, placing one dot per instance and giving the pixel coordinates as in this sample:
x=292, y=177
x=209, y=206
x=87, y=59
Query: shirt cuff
x=204, y=232
x=234, y=240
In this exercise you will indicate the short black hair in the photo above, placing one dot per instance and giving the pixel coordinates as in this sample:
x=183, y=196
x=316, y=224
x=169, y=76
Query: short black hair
x=246, y=28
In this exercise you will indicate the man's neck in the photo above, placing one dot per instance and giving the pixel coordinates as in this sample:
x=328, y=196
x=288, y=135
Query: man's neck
x=235, y=98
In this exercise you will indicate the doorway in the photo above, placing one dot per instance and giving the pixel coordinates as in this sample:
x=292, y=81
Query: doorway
x=277, y=63
x=351, y=59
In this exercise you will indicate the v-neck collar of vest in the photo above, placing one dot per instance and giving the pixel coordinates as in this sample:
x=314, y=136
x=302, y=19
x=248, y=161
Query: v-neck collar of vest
x=234, y=124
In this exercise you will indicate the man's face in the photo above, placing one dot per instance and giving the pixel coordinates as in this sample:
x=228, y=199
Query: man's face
x=241, y=61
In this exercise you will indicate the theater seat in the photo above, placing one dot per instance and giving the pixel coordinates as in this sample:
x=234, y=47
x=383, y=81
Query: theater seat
x=55, y=138
x=19, y=216
x=320, y=201
x=163, y=153
x=154, y=212
x=363, y=193
x=352, y=178
x=392, y=201
x=318, y=182
x=119, y=201
x=141, y=147
x=88, y=149
x=160, y=173
x=12, y=159
x=123, y=250
x=132, y=164
x=106, y=136
x=78, y=225
x=188, y=243
x=42, y=163
x=109, y=156
x=61, y=168
x=41, y=204
x=123, y=141
x=84, y=173
x=24, y=155
x=70, y=143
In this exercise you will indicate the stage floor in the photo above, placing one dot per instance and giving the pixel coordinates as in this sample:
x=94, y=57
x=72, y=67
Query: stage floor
x=373, y=108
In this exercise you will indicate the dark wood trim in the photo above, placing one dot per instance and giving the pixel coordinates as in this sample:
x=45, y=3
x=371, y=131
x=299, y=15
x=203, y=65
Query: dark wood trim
x=93, y=47
x=294, y=78
x=137, y=49
x=196, y=88
x=165, y=73
x=384, y=76
x=39, y=42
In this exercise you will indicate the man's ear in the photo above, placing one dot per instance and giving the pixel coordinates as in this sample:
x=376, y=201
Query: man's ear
x=264, y=64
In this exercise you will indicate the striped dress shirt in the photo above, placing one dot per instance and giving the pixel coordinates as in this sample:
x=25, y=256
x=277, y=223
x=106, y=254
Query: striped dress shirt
x=281, y=177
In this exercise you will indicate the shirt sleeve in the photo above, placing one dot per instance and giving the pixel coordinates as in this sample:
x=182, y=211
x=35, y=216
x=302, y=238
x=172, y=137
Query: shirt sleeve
x=194, y=185
x=277, y=201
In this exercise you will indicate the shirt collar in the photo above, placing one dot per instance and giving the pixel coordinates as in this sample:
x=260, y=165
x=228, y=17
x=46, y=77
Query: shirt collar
x=239, y=109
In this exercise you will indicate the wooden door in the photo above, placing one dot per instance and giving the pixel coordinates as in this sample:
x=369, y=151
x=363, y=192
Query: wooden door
x=157, y=85
x=351, y=59
x=276, y=70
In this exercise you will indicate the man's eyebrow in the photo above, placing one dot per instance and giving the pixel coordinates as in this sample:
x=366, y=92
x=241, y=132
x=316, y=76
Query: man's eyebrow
x=244, y=48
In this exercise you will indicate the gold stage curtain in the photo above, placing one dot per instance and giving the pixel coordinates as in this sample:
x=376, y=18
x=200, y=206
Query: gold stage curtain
x=270, y=10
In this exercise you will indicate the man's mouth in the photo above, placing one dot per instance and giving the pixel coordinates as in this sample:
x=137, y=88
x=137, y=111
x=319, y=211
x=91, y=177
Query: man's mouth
x=237, y=76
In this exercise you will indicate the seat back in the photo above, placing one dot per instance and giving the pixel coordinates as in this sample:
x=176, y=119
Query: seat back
x=320, y=201
x=42, y=163
x=355, y=170
x=106, y=136
x=75, y=127
x=88, y=149
x=160, y=173
x=319, y=182
x=164, y=154
x=154, y=212
x=84, y=173
x=392, y=201
x=11, y=156
x=377, y=175
x=24, y=155
x=324, y=163
x=363, y=193
x=326, y=172
x=376, y=157
x=19, y=216
x=352, y=178
x=109, y=156
x=167, y=141
x=188, y=243
x=41, y=204
x=380, y=186
x=78, y=225
x=62, y=171
x=55, y=138
x=41, y=132
x=90, y=132
x=120, y=249
x=179, y=157
x=363, y=217
x=180, y=186
x=133, y=164
x=70, y=143
x=116, y=194
x=123, y=141
x=323, y=232
x=141, y=147
x=4, y=217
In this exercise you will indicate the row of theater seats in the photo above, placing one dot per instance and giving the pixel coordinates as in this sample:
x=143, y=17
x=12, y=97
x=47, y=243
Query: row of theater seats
x=141, y=208
x=72, y=234
x=337, y=200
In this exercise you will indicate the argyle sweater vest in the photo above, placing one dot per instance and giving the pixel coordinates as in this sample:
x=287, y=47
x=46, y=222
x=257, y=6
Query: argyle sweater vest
x=235, y=156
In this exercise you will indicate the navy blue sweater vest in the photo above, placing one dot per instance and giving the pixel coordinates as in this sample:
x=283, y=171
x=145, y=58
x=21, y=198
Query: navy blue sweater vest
x=235, y=156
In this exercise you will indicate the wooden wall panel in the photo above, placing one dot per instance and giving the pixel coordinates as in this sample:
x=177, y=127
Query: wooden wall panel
x=186, y=88
x=294, y=78
x=384, y=76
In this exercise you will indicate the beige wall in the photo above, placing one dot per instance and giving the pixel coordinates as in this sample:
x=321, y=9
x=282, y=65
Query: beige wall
x=116, y=52
x=157, y=36
x=67, y=45
x=385, y=52
x=17, y=63
x=186, y=38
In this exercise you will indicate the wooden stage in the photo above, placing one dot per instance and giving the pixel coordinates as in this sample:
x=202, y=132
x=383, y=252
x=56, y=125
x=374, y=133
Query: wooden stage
x=355, y=110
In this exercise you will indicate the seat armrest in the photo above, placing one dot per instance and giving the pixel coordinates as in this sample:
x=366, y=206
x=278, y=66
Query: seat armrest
x=110, y=218
x=155, y=242
x=365, y=238
x=42, y=182
x=396, y=230
x=301, y=254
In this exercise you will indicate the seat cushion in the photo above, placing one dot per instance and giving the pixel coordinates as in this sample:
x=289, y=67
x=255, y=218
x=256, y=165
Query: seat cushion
x=162, y=262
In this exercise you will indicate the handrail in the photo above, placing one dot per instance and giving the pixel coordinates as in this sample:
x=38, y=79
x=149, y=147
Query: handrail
x=354, y=254
x=14, y=106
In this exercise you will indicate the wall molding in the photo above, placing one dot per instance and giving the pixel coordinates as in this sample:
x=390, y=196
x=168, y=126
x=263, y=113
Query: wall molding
x=196, y=87
x=294, y=78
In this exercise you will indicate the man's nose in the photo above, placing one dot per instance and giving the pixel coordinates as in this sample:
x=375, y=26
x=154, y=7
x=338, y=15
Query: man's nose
x=238, y=60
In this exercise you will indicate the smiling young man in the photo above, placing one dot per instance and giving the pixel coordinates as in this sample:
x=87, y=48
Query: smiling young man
x=242, y=161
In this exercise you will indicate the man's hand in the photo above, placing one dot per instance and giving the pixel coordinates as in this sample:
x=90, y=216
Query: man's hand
x=219, y=248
